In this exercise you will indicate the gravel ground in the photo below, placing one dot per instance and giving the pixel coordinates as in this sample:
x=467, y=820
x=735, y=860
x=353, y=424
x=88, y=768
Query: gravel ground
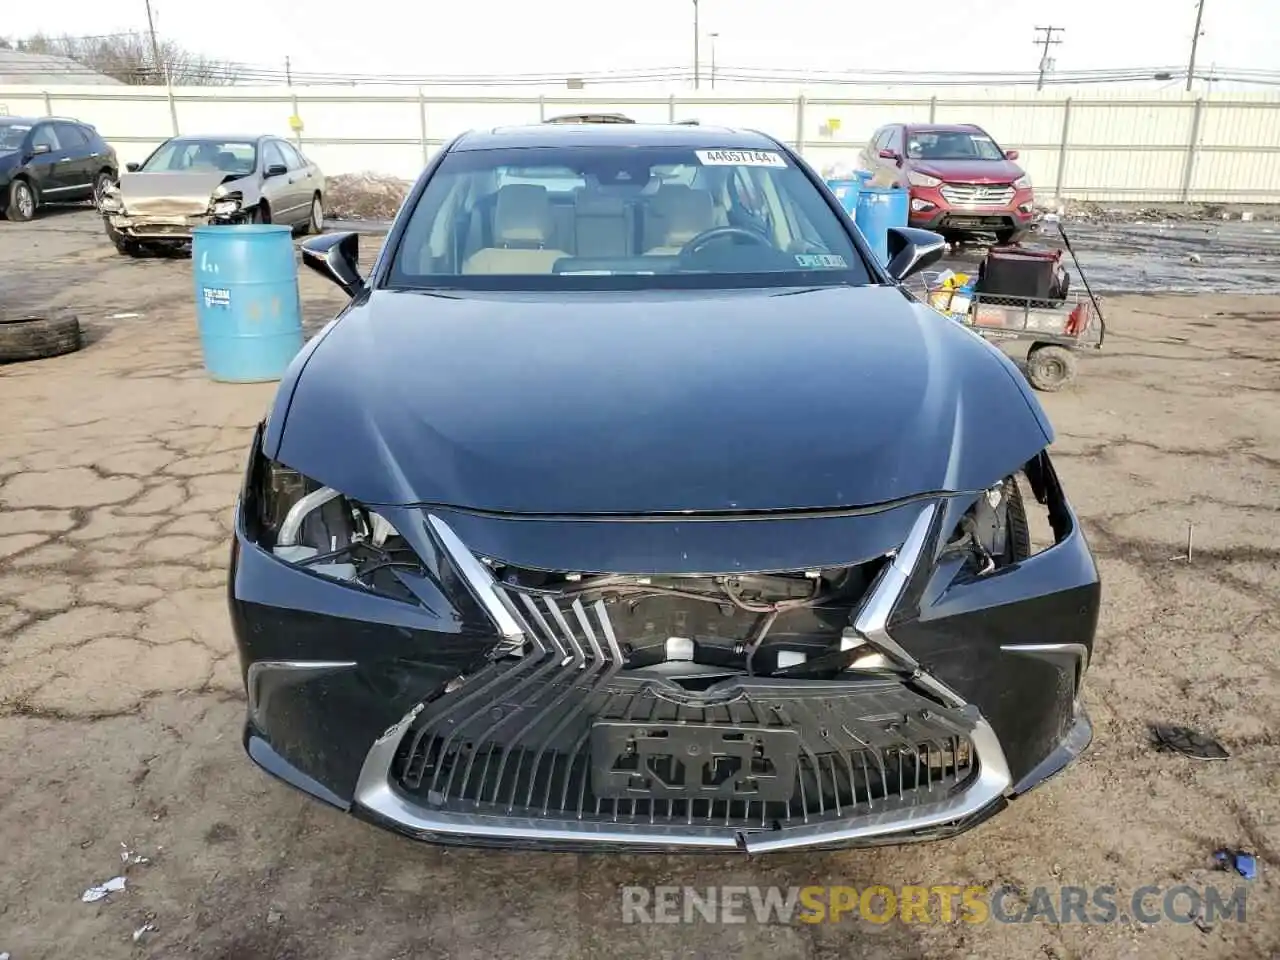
x=121, y=702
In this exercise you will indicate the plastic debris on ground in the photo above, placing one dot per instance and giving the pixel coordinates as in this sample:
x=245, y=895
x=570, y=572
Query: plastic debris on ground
x=128, y=857
x=1188, y=742
x=1244, y=863
x=100, y=892
x=143, y=930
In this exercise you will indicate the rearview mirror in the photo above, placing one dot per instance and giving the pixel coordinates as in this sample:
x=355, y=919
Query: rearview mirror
x=911, y=250
x=277, y=170
x=336, y=257
x=133, y=167
x=40, y=148
x=1011, y=154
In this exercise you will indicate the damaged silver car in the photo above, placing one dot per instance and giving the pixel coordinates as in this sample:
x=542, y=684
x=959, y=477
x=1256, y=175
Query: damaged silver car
x=192, y=181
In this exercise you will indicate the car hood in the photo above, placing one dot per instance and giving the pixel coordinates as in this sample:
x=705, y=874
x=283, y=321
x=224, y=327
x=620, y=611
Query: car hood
x=170, y=194
x=665, y=402
x=970, y=171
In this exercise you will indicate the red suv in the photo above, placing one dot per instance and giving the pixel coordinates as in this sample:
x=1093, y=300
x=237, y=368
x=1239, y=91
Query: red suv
x=962, y=184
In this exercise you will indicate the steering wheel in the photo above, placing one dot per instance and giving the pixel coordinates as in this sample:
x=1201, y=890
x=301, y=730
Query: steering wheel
x=696, y=244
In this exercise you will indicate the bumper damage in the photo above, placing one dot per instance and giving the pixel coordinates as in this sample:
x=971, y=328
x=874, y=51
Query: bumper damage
x=470, y=704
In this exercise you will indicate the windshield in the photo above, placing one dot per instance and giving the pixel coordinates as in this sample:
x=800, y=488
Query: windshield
x=204, y=156
x=604, y=218
x=951, y=145
x=12, y=135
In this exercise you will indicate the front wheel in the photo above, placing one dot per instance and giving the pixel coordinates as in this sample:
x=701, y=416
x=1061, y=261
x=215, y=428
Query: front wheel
x=22, y=202
x=315, y=225
x=1050, y=368
x=100, y=184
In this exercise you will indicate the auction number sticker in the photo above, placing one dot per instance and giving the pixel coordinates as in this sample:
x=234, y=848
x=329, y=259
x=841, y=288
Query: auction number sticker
x=217, y=297
x=740, y=158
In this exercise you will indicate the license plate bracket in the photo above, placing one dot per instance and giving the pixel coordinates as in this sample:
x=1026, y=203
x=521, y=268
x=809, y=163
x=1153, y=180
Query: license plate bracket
x=690, y=761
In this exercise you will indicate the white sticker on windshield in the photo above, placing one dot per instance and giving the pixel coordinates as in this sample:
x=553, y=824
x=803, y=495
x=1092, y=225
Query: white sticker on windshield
x=821, y=260
x=740, y=158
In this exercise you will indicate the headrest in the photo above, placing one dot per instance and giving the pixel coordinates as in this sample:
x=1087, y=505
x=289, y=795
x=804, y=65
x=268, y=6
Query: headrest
x=522, y=216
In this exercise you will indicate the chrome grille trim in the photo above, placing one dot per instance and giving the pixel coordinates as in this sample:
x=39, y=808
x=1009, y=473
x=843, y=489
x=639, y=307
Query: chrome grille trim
x=570, y=648
x=978, y=194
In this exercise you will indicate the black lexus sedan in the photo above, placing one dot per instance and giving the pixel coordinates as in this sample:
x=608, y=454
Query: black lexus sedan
x=632, y=504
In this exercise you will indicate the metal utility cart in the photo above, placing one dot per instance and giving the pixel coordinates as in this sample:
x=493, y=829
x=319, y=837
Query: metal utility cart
x=1055, y=330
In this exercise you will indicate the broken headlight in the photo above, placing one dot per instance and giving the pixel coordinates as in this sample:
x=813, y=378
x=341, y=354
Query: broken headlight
x=227, y=206
x=317, y=529
x=109, y=201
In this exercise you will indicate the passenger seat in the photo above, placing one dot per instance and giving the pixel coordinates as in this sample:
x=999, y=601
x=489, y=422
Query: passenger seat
x=522, y=228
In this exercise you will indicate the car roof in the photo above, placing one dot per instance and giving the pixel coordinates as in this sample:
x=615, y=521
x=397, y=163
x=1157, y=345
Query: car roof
x=248, y=137
x=614, y=135
x=945, y=127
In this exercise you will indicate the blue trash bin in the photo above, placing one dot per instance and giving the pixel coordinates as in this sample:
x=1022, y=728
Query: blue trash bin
x=247, y=309
x=848, y=189
x=880, y=208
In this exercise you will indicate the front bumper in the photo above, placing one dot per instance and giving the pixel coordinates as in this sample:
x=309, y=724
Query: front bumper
x=397, y=712
x=931, y=209
x=156, y=229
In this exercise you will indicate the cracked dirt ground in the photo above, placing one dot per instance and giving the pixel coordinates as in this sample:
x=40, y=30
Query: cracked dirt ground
x=121, y=706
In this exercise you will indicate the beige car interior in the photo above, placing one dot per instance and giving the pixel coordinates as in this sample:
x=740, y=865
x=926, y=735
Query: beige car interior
x=524, y=232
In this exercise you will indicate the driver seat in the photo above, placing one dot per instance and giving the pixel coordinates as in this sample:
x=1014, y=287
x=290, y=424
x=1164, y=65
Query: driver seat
x=678, y=214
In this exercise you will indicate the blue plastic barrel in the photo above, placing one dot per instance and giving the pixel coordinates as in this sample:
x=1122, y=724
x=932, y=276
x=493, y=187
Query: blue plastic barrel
x=880, y=208
x=847, y=190
x=247, y=307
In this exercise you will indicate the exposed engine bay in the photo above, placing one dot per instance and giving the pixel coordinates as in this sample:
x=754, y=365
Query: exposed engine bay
x=691, y=629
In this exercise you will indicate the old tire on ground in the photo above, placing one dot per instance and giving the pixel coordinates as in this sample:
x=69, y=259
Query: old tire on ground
x=21, y=202
x=31, y=338
x=1050, y=368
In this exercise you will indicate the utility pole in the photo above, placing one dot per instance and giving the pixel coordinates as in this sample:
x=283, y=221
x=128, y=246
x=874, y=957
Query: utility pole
x=1046, y=41
x=155, y=46
x=696, y=76
x=1195, y=41
x=713, y=58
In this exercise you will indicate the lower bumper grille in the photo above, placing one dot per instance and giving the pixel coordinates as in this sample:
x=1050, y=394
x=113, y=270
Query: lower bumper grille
x=563, y=733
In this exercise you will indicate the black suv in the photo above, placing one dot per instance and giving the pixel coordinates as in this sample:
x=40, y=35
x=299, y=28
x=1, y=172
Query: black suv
x=50, y=160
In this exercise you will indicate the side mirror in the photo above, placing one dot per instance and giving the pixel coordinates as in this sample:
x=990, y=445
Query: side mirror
x=40, y=148
x=336, y=257
x=911, y=250
x=1011, y=154
x=133, y=167
x=277, y=170
x=887, y=154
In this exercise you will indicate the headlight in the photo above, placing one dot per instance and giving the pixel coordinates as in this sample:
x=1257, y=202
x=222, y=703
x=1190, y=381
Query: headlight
x=226, y=207
x=317, y=529
x=922, y=179
x=1022, y=183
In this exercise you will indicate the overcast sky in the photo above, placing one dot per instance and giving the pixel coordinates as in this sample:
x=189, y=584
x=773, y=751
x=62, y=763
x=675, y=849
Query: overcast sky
x=569, y=36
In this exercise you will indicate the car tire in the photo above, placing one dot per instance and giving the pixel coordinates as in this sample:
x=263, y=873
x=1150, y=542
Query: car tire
x=22, y=204
x=33, y=338
x=315, y=223
x=261, y=213
x=100, y=183
x=1050, y=368
x=1018, y=540
x=1006, y=237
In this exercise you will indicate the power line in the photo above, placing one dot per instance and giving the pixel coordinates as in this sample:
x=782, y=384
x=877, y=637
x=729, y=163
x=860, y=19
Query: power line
x=1046, y=42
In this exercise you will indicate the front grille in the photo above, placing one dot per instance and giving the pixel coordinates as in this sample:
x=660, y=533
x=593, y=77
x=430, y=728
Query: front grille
x=978, y=194
x=564, y=732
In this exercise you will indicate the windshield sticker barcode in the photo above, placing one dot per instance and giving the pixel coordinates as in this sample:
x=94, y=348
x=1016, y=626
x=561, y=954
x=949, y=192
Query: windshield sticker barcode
x=821, y=260
x=743, y=158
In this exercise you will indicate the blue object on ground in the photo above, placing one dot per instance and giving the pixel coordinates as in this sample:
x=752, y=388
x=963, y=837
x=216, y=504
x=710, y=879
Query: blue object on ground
x=247, y=308
x=847, y=190
x=880, y=208
x=1245, y=864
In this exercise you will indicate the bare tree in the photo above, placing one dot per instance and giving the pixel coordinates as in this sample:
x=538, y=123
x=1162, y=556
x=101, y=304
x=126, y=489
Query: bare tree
x=128, y=58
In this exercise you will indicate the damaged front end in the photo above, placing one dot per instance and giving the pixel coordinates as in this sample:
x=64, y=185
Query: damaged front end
x=778, y=681
x=141, y=208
